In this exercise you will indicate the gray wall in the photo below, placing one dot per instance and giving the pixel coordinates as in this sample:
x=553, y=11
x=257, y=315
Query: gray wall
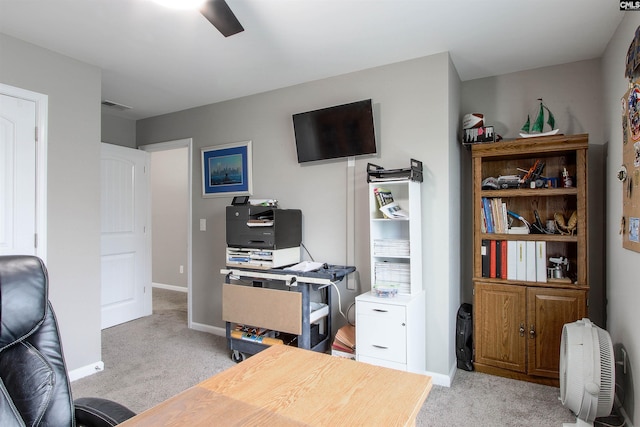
x=622, y=264
x=169, y=216
x=574, y=93
x=117, y=130
x=415, y=115
x=73, y=183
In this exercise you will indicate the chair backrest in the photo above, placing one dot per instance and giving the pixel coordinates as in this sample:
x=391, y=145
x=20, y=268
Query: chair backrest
x=34, y=386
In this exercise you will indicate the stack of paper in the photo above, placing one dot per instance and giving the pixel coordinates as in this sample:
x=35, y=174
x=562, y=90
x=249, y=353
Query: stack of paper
x=391, y=247
x=393, y=273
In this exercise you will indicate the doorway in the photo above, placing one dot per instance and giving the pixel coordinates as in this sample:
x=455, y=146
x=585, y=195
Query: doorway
x=171, y=171
x=23, y=161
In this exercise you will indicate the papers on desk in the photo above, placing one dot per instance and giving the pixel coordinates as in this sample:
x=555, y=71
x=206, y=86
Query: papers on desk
x=305, y=266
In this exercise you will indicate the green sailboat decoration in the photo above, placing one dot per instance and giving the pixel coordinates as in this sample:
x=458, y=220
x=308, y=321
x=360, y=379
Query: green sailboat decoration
x=528, y=131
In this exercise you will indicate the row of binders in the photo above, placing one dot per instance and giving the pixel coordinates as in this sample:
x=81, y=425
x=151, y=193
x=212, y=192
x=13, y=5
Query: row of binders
x=514, y=260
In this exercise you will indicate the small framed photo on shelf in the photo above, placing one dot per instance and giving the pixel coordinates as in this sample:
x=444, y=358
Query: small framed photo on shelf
x=226, y=170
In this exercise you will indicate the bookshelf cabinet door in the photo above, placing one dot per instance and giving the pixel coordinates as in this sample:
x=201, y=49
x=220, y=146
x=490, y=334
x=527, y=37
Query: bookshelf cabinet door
x=547, y=311
x=500, y=326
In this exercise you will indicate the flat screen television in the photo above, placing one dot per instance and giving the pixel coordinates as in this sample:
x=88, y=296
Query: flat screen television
x=334, y=132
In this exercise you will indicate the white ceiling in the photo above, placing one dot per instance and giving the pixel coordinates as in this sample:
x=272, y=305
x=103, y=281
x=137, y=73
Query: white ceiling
x=160, y=60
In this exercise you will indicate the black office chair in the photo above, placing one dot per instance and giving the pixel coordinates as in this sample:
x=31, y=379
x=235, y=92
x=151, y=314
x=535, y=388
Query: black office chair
x=34, y=386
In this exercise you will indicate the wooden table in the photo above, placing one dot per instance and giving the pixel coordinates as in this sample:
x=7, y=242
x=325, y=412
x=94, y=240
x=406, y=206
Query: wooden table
x=288, y=386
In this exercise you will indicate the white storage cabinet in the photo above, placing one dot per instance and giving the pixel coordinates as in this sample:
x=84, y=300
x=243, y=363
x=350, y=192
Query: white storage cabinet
x=390, y=332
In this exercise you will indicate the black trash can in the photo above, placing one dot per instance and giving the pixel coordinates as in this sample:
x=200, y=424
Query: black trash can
x=464, y=337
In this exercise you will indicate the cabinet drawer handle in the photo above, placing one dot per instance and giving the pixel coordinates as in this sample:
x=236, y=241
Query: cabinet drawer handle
x=380, y=346
x=379, y=310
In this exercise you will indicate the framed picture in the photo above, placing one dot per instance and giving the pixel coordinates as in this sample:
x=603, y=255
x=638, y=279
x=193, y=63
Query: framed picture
x=226, y=170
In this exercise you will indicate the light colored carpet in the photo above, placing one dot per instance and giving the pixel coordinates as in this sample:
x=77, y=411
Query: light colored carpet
x=151, y=359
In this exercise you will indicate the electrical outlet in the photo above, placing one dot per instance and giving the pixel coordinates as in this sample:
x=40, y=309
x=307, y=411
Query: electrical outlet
x=182, y=269
x=203, y=224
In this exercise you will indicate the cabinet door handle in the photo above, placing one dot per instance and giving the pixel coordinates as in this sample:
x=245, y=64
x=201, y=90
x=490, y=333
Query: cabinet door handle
x=532, y=332
x=380, y=346
x=379, y=310
x=521, y=329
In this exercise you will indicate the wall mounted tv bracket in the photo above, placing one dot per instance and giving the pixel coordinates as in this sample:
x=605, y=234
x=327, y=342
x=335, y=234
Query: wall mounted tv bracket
x=377, y=173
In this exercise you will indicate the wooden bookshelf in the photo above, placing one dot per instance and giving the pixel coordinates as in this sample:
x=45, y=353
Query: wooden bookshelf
x=518, y=323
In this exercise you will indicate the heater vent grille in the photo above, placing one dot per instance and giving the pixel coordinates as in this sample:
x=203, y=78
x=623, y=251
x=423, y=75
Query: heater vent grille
x=115, y=105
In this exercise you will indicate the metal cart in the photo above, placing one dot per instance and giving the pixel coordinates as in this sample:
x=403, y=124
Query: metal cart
x=303, y=282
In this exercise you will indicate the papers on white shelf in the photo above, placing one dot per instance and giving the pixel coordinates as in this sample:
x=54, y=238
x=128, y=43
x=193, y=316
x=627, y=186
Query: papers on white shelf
x=393, y=210
x=394, y=274
x=391, y=247
x=305, y=266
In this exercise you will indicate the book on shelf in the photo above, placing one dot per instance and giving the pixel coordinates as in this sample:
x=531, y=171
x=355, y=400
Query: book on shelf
x=521, y=260
x=494, y=215
x=387, y=205
x=541, y=262
x=511, y=260
x=531, y=261
x=484, y=253
x=383, y=196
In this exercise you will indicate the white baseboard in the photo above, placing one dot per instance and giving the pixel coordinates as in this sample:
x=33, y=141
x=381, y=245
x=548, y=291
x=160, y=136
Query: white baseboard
x=169, y=287
x=215, y=330
x=440, y=379
x=85, y=371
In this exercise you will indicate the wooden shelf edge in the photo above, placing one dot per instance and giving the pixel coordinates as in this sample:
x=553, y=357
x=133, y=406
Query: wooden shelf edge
x=535, y=237
x=556, y=285
x=530, y=192
x=540, y=145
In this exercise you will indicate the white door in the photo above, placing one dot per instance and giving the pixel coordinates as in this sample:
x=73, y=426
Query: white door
x=125, y=240
x=17, y=176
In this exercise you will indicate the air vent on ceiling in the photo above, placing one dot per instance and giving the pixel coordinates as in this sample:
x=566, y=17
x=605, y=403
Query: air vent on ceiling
x=115, y=105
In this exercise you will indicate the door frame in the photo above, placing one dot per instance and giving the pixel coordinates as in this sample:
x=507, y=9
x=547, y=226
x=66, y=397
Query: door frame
x=170, y=145
x=42, y=114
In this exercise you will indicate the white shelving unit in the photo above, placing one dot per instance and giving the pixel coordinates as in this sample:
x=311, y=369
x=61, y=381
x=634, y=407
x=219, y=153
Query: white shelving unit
x=390, y=331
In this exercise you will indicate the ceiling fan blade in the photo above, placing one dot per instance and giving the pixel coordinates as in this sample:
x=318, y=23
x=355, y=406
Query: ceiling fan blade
x=221, y=16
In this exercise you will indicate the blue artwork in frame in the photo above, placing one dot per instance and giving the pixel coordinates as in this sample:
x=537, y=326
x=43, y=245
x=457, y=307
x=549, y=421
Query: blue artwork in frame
x=226, y=170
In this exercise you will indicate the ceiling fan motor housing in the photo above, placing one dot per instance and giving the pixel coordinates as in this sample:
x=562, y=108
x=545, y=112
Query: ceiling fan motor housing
x=587, y=370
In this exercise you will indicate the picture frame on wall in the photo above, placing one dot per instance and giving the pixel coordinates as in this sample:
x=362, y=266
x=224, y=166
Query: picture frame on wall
x=226, y=170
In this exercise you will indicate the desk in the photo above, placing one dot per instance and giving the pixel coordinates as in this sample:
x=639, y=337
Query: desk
x=288, y=386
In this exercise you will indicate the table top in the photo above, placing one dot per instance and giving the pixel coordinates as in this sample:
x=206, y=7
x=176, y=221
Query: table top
x=288, y=386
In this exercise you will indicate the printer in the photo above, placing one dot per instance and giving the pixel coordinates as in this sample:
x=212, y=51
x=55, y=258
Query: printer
x=263, y=236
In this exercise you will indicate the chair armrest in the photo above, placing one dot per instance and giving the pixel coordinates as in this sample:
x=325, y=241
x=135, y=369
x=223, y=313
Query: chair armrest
x=94, y=411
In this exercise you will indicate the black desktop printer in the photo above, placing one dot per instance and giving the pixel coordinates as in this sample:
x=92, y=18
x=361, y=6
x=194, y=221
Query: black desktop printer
x=263, y=236
x=263, y=227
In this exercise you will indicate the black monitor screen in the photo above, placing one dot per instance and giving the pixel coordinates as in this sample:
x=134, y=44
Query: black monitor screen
x=340, y=131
